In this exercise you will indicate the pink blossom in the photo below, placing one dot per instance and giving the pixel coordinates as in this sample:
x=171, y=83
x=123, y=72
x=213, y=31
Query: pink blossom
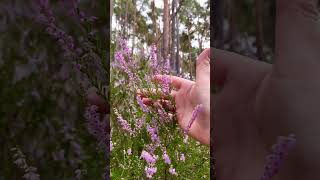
x=276, y=157
x=172, y=171
x=129, y=151
x=123, y=123
x=182, y=157
x=195, y=112
x=148, y=157
x=143, y=106
x=166, y=158
x=150, y=171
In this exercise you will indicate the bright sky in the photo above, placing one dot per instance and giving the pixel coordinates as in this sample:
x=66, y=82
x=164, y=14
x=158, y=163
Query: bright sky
x=159, y=3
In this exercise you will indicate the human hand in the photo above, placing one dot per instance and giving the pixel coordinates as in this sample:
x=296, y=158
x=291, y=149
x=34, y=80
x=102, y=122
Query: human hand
x=188, y=94
x=258, y=102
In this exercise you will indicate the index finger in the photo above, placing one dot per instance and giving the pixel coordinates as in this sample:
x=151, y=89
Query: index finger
x=175, y=81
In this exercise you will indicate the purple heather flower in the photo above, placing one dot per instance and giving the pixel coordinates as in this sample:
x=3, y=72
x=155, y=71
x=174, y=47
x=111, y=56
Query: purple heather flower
x=148, y=157
x=140, y=123
x=166, y=158
x=195, y=112
x=31, y=174
x=151, y=148
x=129, y=151
x=143, y=106
x=120, y=59
x=78, y=66
x=150, y=171
x=123, y=65
x=153, y=134
x=20, y=161
x=165, y=83
x=161, y=113
x=47, y=19
x=276, y=157
x=166, y=67
x=123, y=123
x=172, y=171
x=124, y=46
x=154, y=60
x=94, y=125
x=78, y=174
x=182, y=157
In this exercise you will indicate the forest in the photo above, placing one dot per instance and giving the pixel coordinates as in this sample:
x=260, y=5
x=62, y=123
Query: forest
x=246, y=27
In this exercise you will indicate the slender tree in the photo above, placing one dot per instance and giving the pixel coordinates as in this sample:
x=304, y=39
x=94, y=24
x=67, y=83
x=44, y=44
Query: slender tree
x=177, y=65
x=259, y=28
x=165, y=48
x=154, y=21
x=216, y=23
x=134, y=24
x=173, y=35
x=126, y=19
x=111, y=11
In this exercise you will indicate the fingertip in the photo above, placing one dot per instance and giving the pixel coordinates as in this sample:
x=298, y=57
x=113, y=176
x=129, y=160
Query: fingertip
x=204, y=56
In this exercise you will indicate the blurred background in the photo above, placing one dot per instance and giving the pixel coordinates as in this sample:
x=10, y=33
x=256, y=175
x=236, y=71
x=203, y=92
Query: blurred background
x=245, y=27
x=43, y=46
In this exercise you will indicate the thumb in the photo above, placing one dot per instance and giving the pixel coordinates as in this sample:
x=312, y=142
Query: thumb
x=224, y=63
x=203, y=68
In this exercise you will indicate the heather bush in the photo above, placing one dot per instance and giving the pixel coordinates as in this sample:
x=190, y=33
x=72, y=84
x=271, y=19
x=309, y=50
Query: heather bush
x=51, y=53
x=146, y=141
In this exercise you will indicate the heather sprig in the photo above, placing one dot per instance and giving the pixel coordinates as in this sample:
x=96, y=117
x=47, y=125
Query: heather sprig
x=95, y=126
x=275, y=159
x=194, y=115
x=30, y=172
x=86, y=57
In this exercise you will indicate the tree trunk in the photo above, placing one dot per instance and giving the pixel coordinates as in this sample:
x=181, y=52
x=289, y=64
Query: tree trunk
x=233, y=24
x=177, y=65
x=216, y=17
x=165, y=48
x=154, y=22
x=259, y=28
x=134, y=25
x=126, y=20
x=173, y=36
x=111, y=12
x=200, y=34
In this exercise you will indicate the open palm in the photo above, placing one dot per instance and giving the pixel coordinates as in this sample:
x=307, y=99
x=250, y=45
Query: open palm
x=188, y=94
